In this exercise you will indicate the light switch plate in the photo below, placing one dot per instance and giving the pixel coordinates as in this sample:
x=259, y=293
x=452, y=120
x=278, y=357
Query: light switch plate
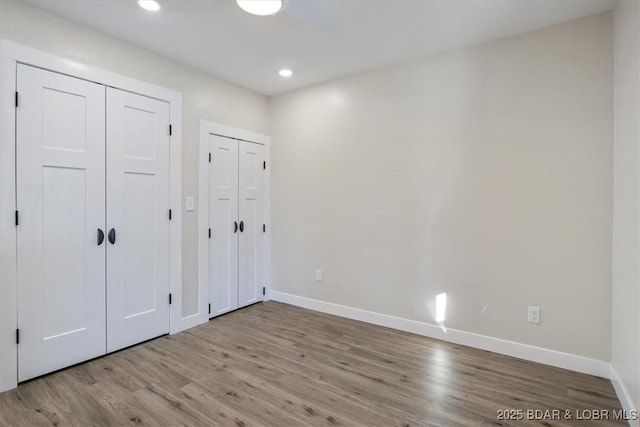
x=190, y=204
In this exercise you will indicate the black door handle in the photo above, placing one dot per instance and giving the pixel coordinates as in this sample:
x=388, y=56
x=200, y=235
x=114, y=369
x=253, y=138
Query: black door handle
x=112, y=236
x=235, y=227
x=100, y=236
x=241, y=226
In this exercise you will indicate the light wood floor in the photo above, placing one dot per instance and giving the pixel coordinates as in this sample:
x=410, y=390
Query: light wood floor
x=273, y=364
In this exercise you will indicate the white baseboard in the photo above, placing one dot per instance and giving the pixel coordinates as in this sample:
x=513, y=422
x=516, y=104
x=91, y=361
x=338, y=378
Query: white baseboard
x=510, y=348
x=623, y=396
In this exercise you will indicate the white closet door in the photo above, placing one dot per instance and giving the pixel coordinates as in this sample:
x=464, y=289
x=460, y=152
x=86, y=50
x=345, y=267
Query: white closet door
x=223, y=220
x=251, y=193
x=61, y=203
x=138, y=214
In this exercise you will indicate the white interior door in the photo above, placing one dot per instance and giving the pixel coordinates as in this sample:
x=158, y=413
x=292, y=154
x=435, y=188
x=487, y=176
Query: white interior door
x=223, y=212
x=61, y=201
x=251, y=194
x=137, y=218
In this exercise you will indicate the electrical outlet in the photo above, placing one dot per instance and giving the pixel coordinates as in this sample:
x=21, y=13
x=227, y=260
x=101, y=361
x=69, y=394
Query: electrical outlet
x=534, y=315
x=318, y=275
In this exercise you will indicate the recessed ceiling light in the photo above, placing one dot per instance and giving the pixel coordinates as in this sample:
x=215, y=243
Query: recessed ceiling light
x=260, y=7
x=151, y=5
x=285, y=72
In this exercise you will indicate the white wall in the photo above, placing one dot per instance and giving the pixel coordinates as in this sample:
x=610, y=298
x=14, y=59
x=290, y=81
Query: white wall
x=204, y=97
x=485, y=173
x=626, y=212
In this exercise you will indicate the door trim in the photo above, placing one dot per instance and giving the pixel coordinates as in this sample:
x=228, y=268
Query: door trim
x=10, y=55
x=206, y=128
x=8, y=235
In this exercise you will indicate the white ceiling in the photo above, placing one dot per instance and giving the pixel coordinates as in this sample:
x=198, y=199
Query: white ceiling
x=318, y=39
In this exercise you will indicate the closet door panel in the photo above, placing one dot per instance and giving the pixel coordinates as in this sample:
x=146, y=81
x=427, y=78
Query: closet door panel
x=223, y=212
x=251, y=193
x=61, y=199
x=138, y=212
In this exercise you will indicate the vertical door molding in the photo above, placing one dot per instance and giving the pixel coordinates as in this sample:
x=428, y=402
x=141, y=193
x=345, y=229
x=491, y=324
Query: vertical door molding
x=8, y=286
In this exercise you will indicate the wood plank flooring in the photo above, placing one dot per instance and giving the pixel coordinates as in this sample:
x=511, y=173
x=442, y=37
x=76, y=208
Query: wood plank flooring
x=273, y=364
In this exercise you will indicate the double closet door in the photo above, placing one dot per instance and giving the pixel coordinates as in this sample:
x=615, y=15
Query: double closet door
x=236, y=220
x=92, y=167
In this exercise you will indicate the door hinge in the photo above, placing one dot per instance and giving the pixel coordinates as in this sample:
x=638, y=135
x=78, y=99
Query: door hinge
x=264, y=228
x=169, y=214
x=170, y=299
x=209, y=157
x=264, y=290
x=209, y=233
x=17, y=336
x=264, y=165
x=209, y=308
x=170, y=130
x=17, y=97
x=17, y=218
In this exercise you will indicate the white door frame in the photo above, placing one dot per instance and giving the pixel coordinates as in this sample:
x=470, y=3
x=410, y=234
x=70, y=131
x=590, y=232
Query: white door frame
x=206, y=128
x=10, y=55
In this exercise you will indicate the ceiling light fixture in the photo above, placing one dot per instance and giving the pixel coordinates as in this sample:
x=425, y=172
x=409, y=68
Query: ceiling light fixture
x=285, y=72
x=260, y=7
x=150, y=5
